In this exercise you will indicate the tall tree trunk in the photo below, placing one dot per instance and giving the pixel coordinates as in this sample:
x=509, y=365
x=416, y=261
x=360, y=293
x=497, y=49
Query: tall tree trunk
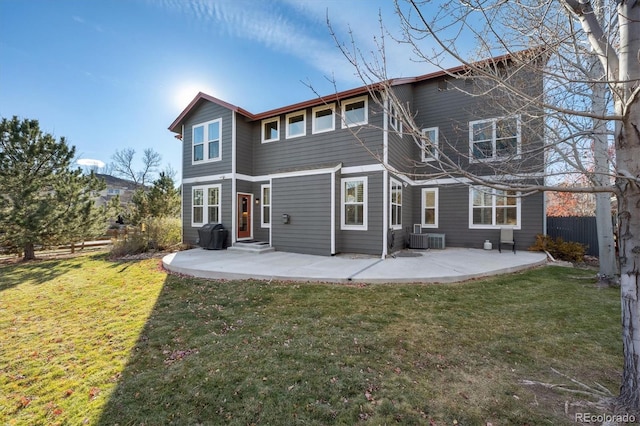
x=29, y=252
x=606, y=244
x=628, y=164
x=629, y=208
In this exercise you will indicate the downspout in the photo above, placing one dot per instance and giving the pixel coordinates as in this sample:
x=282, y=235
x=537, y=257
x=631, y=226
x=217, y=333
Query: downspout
x=333, y=212
x=182, y=194
x=234, y=207
x=385, y=177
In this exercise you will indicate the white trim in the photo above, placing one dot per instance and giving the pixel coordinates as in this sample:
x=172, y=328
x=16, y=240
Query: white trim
x=367, y=168
x=206, y=141
x=271, y=214
x=330, y=106
x=424, y=158
x=266, y=121
x=358, y=170
x=234, y=202
x=393, y=181
x=365, y=204
x=233, y=143
x=303, y=113
x=263, y=224
x=385, y=214
x=205, y=203
x=333, y=212
x=353, y=101
x=493, y=224
x=423, y=224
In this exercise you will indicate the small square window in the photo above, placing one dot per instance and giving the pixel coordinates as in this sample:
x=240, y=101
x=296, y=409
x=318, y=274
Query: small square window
x=323, y=119
x=270, y=130
x=296, y=124
x=355, y=112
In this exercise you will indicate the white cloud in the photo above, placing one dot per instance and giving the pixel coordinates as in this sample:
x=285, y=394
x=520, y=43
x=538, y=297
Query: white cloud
x=89, y=162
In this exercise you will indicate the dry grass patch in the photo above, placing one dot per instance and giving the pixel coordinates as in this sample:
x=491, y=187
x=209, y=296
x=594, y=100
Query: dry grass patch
x=247, y=352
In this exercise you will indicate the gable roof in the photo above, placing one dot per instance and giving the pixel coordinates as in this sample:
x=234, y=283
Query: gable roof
x=320, y=100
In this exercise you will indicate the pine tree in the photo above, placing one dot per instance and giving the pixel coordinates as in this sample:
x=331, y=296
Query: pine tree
x=43, y=201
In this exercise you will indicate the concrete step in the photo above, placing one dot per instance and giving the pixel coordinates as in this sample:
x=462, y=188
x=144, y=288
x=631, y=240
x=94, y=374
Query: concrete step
x=257, y=247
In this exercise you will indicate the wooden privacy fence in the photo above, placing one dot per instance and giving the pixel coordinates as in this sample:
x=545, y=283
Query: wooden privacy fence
x=577, y=229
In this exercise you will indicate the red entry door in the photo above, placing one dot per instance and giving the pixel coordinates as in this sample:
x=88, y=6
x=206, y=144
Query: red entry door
x=244, y=216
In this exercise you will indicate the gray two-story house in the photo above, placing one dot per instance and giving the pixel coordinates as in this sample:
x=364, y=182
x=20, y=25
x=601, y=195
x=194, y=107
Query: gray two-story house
x=339, y=174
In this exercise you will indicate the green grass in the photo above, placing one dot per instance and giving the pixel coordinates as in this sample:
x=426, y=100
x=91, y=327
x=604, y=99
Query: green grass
x=90, y=341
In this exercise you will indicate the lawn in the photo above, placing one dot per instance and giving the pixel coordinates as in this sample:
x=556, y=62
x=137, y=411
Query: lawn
x=91, y=341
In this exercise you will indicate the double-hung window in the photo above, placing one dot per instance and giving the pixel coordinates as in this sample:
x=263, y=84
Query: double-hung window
x=396, y=204
x=266, y=206
x=429, y=144
x=206, y=141
x=429, y=209
x=494, y=139
x=394, y=118
x=271, y=130
x=493, y=208
x=354, y=203
x=323, y=120
x=206, y=205
x=296, y=124
x=355, y=112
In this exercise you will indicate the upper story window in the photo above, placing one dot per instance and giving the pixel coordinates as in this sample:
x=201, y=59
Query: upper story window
x=494, y=139
x=271, y=130
x=355, y=112
x=323, y=120
x=206, y=141
x=296, y=124
x=493, y=208
x=353, y=211
x=429, y=144
x=394, y=118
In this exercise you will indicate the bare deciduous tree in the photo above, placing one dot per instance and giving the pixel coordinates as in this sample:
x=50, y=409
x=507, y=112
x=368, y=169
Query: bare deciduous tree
x=123, y=165
x=588, y=109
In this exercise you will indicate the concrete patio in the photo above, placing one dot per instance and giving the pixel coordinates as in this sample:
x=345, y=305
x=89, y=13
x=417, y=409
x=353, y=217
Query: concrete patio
x=423, y=266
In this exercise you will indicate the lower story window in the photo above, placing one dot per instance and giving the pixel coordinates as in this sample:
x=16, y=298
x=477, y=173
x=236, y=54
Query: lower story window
x=206, y=205
x=354, y=203
x=430, y=207
x=493, y=208
x=266, y=206
x=396, y=204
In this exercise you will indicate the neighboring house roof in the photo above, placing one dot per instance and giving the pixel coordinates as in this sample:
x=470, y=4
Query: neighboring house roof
x=201, y=97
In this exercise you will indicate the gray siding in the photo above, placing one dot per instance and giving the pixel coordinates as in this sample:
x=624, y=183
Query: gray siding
x=398, y=238
x=453, y=219
x=259, y=233
x=207, y=111
x=452, y=110
x=189, y=233
x=244, y=145
x=369, y=241
x=311, y=150
x=403, y=150
x=307, y=200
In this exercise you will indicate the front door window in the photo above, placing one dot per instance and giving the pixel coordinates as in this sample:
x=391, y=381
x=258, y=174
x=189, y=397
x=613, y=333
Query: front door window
x=244, y=216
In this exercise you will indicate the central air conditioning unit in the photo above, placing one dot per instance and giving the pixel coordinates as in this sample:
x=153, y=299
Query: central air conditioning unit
x=436, y=241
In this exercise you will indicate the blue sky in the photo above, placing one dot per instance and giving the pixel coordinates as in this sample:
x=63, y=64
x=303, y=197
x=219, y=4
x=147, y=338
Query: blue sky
x=114, y=74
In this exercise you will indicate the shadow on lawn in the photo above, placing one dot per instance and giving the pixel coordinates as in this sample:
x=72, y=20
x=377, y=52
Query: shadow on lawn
x=37, y=271
x=152, y=386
